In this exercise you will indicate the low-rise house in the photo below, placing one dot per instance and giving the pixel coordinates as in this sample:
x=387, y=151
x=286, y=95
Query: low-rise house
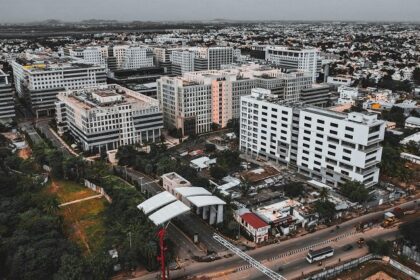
x=254, y=225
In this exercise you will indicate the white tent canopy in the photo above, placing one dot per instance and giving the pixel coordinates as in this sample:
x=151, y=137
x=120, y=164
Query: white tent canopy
x=192, y=191
x=201, y=201
x=168, y=212
x=156, y=202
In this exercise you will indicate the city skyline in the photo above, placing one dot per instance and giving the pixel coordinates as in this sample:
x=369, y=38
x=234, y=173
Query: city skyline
x=22, y=11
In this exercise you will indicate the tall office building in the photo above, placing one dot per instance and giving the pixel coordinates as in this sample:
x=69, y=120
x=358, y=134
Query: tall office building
x=109, y=116
x=200, y=58
x=39, y=78
x=196, y=100
x=97, y=55
x=307, y=59
x=7, y=103
x=114, y=57
x=328, y=146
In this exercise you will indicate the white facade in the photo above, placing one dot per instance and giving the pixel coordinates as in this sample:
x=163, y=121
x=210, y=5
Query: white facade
x=95, y=54
x=348, y=95
x=327, y=146
x=339, y=81
x=39, y=78
x=106, y=117
x=295, y=59
x=196, y=100
x=7, y=104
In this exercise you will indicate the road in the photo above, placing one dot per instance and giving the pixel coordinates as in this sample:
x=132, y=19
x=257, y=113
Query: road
x=295, y=265
x=43, y=125
x=189, y=222
x=292, y=246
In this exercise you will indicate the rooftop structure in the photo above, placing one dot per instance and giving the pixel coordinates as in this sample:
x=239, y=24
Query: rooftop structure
x=113, y=116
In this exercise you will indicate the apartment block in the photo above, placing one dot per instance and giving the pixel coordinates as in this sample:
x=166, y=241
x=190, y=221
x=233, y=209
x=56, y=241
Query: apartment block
x=196, y=100
x=328, y=146
x=39, y=78
x=108, y=116
x=304, y=59
x=7, y=103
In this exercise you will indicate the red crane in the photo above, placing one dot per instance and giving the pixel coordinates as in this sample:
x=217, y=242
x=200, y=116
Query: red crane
x=161, y=258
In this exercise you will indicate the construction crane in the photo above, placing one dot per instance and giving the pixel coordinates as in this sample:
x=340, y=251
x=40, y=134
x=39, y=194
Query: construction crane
x=268, y=272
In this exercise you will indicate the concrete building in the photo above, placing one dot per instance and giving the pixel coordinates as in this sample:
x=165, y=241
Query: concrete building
x=106, y=117
x=412, y=122
x=7, y=101
x=257, y=228
x=199, y=199
x=197, y=100
x=199, y=58
x=328, y=146
x=339, y=81
x=39, y=78
x=318, y=95
x=173, y=180
x=306, y=59
x=347, y=95
x=97, y=55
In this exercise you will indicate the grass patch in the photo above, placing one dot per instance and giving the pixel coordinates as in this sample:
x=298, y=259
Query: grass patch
x=68, y=191
x=83, y=223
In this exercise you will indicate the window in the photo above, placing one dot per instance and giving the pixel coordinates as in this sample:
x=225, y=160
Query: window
x=348, y=136
x=320, y=121
x=346, y=158
x=334, y=125
x=349, y=128
x=331, y=146
x=331, y=154
x=320, y=128
x=308, y=118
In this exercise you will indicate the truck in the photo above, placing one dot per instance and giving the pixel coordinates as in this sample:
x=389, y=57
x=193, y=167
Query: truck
x=389, y=219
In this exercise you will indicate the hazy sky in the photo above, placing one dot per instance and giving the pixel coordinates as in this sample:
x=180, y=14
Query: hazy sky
x=70, y=10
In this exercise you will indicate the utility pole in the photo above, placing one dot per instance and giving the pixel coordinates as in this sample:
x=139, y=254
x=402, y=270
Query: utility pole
x=129, y=234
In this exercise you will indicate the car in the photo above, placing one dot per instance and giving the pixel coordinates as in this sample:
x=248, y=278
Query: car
x=348, y=247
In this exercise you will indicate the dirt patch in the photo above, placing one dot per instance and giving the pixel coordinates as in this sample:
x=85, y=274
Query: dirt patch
x=368, y=270
x=25, y=153
x=83, y=223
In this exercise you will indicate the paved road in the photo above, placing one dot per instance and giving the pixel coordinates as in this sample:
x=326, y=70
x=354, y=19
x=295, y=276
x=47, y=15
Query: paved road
x=294, y=266
x=43, y=126
x=274, y=251
x=189, y=222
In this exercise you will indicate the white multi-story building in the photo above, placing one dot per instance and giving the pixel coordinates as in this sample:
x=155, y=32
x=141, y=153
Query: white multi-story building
x=307, y=59
x=196, y=100
x=330, y=147
x=95, y=54
x=200, y=58
x=109, y=116
x=348, y=95
x=137, y=57
x=40, y=77
x=7, y=103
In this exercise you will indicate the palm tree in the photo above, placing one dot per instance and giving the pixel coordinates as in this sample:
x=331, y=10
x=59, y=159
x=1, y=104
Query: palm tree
x=245, y=187
x=324, y=194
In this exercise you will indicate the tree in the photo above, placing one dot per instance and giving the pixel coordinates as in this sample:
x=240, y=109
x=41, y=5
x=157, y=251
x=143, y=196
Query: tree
x=210, y=148
x=355, y=191
x=294, y=189
x=379, y=247
x=245, y=187
x=71, y=268
x=416, y=75
x=411, y=232
x=126, y=155
x=396, y=114
x=325, y=209
x=324, y=194
x=218, y=172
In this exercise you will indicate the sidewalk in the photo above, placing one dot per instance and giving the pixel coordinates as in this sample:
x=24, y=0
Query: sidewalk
x=80, y=200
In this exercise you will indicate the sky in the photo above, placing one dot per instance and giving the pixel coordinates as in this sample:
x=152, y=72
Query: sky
x=178, y=10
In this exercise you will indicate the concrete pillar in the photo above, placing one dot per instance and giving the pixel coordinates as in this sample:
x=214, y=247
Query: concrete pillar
x=219, y=214
x=213, y=213
x=197, y=211
x=205, y=212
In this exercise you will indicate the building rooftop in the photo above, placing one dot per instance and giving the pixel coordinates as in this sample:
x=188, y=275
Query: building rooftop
x=253, y=220
x=107, y=96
